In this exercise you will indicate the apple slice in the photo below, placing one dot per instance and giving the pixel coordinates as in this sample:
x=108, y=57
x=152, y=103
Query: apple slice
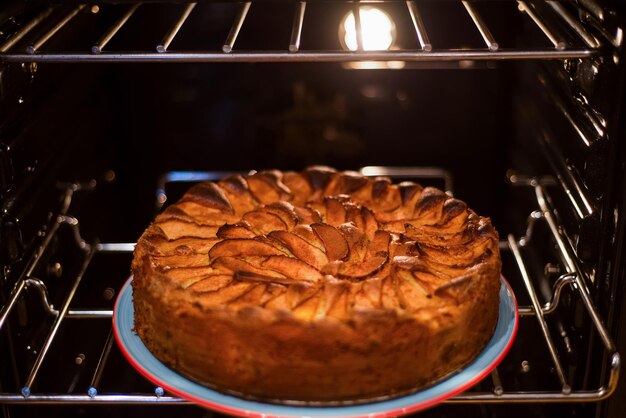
x=388, y=293
x=379, y=187
x=211, y=283
x=349, y=182
x=372, y=289
x=300, y=292
x=285, y=211
x=242, y=246
x=180, y=260
x=263, y=222
x=298, y=185
x=379, y=246
x=210, y=195
x=334, y=299
x=354, y=215
x=334, y=242
x=267, y=187
x=306, y=233
x=175, y=229
x=292, y=267
x=455, y=288
x=226, y=294
x=319, y=177
x=367, y=268
x=250, y=298
x=370, y=224
x=238, y=230
x=356, y=240
x=205, y=215
x=174, y=213
x=238, y=192
x=335, y=211
x=239, y=266
x=307, y=215
x=301, y=249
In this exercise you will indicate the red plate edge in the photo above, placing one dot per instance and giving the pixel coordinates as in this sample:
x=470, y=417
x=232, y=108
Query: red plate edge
x=387, y=414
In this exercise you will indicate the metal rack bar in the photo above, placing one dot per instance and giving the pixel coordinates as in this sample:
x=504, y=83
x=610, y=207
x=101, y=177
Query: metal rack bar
x=116, y=247
x=558, y=43
x=8, y=44
x=572, y=266
x=418, y=24
x=411, y=172
x=171, y=34
x=57, y=322
x=574, y=122
x=539, y=314
x=551, y=306
x=104, y=356
x=356, y=11
x=296, y=28
x=19, y=286
x=151, y=399
x=31, y=49
x=497, y=382
x=237, y=24
x=482, y=27
x=594, y=128
x=104, y=40
x=85, y=314
x=593, y=7
x=63, y=398
x=566, y=179
x=574, y=24
x=330, y=56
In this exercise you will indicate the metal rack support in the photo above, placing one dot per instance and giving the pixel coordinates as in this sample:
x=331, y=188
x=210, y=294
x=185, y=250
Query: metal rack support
x=31, y=49
x=574, y=24
x=20, y=285
x=237, y=24
x=171, y=34
x=9, y=43
x=482, y=27
x=97, y=375
x=57, y=322
x=539, y=314
x=418, y=24
x=573, y=267
x=558, y=43
x=356, y=11
x=551, y=306
x=296, y=28
x=104, y=40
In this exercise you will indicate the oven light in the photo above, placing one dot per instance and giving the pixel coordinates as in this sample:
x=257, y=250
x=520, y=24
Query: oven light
x=377, y=30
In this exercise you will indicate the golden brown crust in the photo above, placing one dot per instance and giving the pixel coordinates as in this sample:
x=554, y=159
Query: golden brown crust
x=320, y=285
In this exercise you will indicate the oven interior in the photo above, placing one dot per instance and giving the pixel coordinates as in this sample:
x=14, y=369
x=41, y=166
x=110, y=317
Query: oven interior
x=110, y=111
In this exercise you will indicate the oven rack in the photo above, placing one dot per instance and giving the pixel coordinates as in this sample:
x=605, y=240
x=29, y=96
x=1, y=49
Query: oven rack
x=564, y=36
x=574, y=277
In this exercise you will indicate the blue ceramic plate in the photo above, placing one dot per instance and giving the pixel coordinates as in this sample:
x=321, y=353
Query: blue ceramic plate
x=155, y=371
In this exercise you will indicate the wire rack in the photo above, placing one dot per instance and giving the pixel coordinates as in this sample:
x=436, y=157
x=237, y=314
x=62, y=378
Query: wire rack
x=573, y=277
x=563, y=33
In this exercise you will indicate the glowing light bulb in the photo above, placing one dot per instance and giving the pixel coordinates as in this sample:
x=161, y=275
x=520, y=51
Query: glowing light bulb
x=377, y=30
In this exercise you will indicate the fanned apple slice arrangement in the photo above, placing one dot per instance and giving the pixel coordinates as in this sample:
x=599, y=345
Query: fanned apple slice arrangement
x=319, y=243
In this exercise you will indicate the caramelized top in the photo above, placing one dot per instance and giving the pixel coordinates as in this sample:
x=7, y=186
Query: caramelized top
x=320, y=243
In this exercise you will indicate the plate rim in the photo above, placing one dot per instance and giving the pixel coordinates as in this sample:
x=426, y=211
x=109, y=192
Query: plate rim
x=333, y=410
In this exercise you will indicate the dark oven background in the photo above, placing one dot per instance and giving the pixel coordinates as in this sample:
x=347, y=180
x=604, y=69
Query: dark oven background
x=95, y=143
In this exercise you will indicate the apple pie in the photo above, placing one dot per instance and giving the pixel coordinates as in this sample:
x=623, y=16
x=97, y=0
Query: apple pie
x=318, y=285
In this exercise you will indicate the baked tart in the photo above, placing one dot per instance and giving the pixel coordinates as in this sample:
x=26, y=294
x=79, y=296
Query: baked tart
x=318, y=285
